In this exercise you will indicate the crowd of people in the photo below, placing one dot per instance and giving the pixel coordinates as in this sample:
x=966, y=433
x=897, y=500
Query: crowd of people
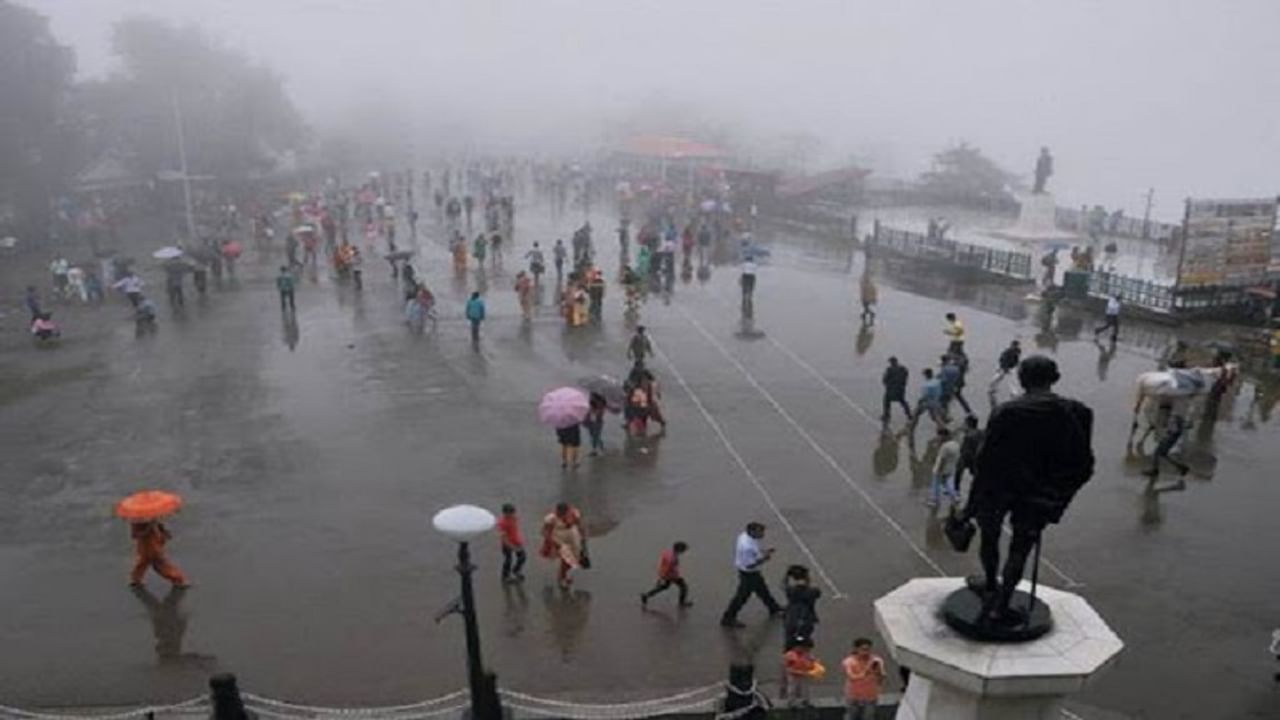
x=663, y=241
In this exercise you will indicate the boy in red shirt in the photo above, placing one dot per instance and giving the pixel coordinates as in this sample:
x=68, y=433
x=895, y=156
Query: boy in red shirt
x=668, y=575
x=799, y=668
x=512, y=545
x=863, y=676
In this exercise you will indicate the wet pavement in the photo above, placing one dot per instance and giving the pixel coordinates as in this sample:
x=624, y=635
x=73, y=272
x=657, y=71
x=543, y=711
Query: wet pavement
x=312, y=457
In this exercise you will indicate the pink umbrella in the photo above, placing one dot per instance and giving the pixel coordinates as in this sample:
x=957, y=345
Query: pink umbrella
x=563, y=407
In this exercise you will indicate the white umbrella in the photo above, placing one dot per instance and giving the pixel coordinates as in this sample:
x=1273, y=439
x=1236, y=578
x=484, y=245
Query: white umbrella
x=168, y=252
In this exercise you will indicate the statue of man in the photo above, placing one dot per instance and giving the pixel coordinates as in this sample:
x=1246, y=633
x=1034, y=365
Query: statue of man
x=1036, y=455
x=1044, y=168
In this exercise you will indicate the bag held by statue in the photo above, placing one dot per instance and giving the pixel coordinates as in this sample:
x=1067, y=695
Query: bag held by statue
x=959, y=531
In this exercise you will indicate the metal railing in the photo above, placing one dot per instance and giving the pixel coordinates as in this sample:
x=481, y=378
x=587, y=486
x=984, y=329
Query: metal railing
x=1133, y=291
x=1075, y=219
x=1007, y=263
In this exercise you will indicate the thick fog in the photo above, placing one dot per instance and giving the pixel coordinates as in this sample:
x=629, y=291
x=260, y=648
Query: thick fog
x=1178, y=95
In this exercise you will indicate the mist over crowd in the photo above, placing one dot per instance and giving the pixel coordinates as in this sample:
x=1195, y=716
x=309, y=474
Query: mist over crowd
x=1171, y=96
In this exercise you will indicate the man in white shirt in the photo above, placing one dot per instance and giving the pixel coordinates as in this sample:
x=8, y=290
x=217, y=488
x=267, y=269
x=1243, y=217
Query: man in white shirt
x=131, y=284
x=944, y=469
x=748, y=558
x=1112, y=319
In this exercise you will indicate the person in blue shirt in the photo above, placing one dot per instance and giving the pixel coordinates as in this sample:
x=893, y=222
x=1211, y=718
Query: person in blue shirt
x=952, y=376
x=475, y=313
x=930, y=401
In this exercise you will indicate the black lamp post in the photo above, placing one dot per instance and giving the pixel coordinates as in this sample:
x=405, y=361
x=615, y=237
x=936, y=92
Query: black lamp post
x=464, y=523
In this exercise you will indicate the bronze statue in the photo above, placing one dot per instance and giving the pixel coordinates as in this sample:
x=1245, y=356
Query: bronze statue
x=1044, y=168
x=1036, y=455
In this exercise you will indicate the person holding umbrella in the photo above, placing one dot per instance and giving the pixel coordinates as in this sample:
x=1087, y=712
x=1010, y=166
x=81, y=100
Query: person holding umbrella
x=143, y=511
x=564, y=409
x=570, y=439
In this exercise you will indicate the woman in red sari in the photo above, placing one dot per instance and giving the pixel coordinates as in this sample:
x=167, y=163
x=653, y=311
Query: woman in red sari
x=564, y=540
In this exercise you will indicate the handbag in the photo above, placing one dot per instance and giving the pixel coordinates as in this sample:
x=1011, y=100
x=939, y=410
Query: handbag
x=584, y=560
x=959, y=531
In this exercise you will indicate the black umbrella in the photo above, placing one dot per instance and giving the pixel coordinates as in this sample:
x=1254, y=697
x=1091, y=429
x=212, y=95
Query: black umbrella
x=610, y=388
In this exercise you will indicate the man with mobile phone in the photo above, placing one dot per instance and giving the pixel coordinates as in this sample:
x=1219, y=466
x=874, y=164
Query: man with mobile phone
x=748, y=559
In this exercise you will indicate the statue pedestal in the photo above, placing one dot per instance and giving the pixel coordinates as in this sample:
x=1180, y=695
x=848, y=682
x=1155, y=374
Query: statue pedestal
x=1037, y=222
x=953, y=678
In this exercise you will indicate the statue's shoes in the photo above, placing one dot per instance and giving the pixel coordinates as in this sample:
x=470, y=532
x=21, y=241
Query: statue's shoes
x=978, y=585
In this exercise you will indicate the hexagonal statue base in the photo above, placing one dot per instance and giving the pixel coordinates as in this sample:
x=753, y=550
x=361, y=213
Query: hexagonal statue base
x=954, y=678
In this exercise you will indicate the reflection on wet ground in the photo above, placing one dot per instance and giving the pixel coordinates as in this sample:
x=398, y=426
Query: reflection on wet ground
x=312, y=449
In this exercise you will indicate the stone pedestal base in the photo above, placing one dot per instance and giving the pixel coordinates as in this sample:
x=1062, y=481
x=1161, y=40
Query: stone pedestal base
x=1037, y=222
x=929, y=700
x=953, y=678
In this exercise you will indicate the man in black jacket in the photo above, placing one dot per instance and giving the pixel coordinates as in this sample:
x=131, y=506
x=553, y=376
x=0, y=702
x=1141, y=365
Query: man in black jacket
x=895, y=388
x=1037, y=453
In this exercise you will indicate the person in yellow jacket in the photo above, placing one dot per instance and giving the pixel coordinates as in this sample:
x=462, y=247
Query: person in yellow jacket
x=954, y=330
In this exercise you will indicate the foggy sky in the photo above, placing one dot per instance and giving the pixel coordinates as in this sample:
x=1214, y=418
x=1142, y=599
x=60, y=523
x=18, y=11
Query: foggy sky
x=1180, y=95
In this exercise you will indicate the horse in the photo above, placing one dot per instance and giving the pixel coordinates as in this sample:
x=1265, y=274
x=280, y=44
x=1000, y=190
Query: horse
x=1167, y=395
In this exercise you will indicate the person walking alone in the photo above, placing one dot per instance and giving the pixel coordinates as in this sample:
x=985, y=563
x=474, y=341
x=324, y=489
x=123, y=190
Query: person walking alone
x=748, y=559
x=954, y=330
x=513, y=553
x=475, y=314
x=284, y=284
x=149, y=539
x=558, y=253
x=869, y=297
x=895, y=389
x=668, y=575
x=1111, y=320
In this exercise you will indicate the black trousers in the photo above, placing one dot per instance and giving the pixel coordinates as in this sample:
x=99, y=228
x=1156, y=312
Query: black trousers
x=512, y=561
x=663, y=585
x=890, y=399
x=750, y=583
x=1111, y=321
x=286, y=298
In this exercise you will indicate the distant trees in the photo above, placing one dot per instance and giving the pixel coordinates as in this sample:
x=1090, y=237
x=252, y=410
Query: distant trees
x=237, y=119
x=963, y=175
x=37, y=132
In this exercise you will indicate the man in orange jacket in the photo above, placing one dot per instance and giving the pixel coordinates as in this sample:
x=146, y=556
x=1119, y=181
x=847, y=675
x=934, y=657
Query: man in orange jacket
x=149, y=539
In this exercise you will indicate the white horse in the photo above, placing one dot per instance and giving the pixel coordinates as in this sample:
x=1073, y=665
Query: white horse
x=1177, y=387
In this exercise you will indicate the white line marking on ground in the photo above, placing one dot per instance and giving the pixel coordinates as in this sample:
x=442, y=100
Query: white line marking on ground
x=746, y=470
x=1071, y=583
x=853, y=484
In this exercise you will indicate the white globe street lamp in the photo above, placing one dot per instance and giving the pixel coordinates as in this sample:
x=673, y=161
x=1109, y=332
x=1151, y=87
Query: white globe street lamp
x=464, y=523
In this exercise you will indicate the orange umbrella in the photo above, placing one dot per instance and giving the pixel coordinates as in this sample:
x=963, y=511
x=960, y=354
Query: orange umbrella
x=148, y=505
